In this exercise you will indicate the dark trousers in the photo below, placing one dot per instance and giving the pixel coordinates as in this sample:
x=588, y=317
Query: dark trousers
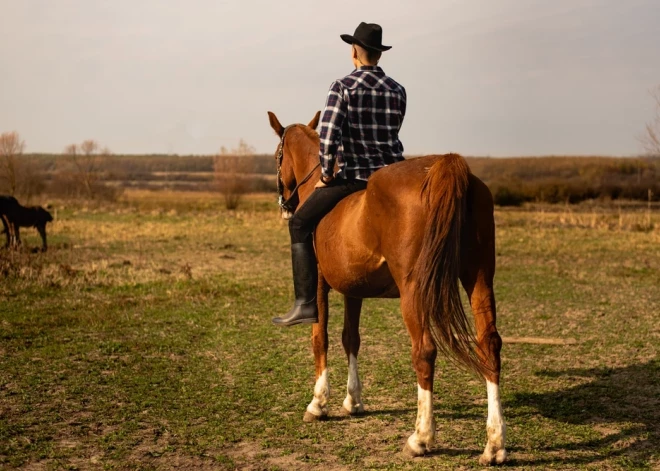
x=319, y=203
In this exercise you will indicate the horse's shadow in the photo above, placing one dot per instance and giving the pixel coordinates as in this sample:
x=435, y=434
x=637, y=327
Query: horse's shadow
x=401, y=412
x=624, y=403
x=378, y=413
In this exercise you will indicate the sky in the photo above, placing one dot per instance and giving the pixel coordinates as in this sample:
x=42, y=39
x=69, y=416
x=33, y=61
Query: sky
x=483, y=77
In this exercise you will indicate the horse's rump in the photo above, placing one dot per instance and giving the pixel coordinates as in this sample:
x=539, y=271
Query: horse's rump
x=374, y=237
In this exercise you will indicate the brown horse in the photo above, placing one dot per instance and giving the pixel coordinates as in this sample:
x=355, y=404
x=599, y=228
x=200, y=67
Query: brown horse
x=419, y=227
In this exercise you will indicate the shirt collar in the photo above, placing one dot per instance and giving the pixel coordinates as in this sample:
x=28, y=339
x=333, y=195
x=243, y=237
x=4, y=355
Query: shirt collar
x=369, y=68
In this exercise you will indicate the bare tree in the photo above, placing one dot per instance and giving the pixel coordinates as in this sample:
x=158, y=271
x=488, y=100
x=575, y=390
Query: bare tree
x=32, y=181
x=85, y=160
x=651, y=137
x=19, y=175
x=232, y=169
x=11, y=147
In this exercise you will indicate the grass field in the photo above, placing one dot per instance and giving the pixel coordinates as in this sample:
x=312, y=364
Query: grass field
x=142, y=340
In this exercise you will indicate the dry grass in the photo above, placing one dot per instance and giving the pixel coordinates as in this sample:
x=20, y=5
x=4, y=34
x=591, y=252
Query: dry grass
x=147, y=237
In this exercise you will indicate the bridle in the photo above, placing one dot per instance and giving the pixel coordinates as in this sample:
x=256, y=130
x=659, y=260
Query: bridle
x=286, y=205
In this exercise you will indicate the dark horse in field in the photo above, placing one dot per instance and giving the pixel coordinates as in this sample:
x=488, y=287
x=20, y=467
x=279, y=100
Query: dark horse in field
x=419, y=227
x=14, y=216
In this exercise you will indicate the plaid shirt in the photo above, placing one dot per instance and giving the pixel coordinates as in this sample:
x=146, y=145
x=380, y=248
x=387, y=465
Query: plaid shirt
x=360, y=125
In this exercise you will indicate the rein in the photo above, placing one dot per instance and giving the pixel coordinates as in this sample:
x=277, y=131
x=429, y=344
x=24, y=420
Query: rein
x=285, y=204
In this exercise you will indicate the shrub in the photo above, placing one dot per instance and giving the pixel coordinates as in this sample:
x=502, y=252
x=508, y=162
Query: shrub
x=508, y=196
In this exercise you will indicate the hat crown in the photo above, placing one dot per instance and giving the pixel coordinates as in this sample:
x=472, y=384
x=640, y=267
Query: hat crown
x=367, y=35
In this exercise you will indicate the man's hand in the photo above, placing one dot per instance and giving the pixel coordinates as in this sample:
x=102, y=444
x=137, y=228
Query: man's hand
x=324, y=181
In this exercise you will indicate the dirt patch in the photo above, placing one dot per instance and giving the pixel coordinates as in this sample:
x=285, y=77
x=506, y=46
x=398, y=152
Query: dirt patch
x=252, y=457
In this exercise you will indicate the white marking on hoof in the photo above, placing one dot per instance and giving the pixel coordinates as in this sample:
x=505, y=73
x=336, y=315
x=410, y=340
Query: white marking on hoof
x=420, y=442
x=352, y=409
x=413, y=450
x=353, y=402
x=495, y=452
x=490, y=459
x=319, y=405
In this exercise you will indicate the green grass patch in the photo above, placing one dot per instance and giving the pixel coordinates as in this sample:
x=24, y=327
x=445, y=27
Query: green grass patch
x=114, y=355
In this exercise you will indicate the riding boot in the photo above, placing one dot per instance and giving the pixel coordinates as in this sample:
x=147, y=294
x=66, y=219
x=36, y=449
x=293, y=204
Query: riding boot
x=305, y=280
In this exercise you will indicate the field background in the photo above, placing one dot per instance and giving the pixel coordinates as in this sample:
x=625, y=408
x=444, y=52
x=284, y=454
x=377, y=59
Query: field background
x=142, y=340
x=551, y=179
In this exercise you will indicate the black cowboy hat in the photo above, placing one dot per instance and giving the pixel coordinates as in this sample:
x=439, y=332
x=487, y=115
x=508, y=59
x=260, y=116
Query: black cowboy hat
x=367, y=35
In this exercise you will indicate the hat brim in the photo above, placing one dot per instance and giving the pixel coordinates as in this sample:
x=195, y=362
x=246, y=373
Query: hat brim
x=347, y=38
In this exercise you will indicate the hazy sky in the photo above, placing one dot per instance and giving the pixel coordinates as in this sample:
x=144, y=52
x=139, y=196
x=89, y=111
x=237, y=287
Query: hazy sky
x=484, y=77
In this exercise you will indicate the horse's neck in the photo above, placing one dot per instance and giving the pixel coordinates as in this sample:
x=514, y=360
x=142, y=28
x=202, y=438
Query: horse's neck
x=305, y=155
x=303, y=167
x=305, y=161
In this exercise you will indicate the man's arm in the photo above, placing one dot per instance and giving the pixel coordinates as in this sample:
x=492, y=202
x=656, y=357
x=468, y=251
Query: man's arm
x=331, y=123
x=404, y=103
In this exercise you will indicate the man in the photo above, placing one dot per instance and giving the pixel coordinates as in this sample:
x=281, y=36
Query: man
x=360, y=131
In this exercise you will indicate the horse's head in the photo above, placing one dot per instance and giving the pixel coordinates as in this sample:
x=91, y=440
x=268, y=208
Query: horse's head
x=287, y=183
x=44, y=215
x=41, y=216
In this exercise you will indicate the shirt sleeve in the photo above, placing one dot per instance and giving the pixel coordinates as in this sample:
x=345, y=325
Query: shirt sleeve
x=331, y=123
x=404, y=100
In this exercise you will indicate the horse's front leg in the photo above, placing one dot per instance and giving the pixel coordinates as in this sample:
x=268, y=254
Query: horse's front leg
x=44, y=238
x=351, y=341
x=318, y=408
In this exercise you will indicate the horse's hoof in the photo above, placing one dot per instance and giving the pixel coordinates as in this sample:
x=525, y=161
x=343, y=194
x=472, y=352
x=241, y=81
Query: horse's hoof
x=354, y=411
x=411, y=452
x=490, y=459
x=309, y=417
x=357, y=413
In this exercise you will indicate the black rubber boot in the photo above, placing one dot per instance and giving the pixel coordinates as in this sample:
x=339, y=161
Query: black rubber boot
x=305, y=280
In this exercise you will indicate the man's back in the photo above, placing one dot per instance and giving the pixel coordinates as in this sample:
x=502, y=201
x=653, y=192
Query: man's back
x=361, y=122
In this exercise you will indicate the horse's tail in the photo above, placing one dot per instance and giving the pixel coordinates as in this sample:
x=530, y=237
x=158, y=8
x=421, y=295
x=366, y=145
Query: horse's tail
x=438, y=266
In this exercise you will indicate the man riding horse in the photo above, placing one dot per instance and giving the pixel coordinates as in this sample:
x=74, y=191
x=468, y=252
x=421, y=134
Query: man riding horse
x=359, y=131
x=421, y=226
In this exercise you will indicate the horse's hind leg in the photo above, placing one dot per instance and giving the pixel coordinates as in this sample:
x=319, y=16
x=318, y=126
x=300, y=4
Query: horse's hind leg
x=16, y=236
x=490, y=344
x=478, y=270
x=351, y=341
x=6, y=229
x=423, y=358
x=318, y=408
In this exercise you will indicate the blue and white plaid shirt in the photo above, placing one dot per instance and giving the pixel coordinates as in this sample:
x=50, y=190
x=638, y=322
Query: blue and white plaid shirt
x=360, y=124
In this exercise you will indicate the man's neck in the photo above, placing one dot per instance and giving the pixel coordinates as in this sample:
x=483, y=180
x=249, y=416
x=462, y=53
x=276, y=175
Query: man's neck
x=358, y=63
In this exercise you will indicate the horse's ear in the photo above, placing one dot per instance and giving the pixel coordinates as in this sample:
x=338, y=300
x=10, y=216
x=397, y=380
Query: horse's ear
x=315, y=121
x=275, y=124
